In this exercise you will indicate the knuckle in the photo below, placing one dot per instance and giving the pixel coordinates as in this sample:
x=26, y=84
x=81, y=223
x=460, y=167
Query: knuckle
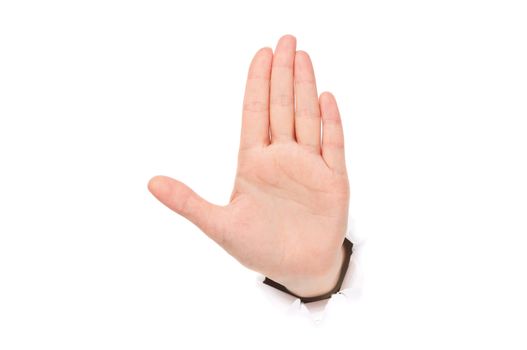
x=257, y=77
x=329, y=122
x=305, y=82
x=282, y=64
x=282, y=100
x=306, y=112
x=255, y=106
x=333, y=144
x=310, y=146
x=184, y=203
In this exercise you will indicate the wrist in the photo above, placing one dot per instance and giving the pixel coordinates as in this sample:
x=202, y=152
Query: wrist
x=322, y=283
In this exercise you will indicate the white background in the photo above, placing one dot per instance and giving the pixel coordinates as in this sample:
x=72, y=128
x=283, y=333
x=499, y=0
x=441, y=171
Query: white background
x=98, y=96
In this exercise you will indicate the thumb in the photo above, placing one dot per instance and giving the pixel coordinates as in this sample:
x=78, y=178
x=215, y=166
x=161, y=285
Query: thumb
x=180, y=198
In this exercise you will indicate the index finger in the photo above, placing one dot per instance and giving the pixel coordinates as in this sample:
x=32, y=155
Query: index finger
x=255, y=119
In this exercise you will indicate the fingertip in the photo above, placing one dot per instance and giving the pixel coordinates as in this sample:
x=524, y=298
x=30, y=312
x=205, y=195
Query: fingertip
x=301, y=58
x=287, y=39
x=304, y=66
x=328, y=107
x=302, y=54
x=264, y=56
x=265, y=51
x=158, y=185
x=327, y=97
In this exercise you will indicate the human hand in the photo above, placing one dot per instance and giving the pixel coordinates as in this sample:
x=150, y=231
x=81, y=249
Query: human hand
x=288, y=212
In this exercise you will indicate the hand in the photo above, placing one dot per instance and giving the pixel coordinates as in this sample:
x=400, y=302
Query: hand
x=287, y=216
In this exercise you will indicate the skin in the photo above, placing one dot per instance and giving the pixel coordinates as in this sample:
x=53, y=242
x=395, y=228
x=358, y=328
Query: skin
x=288, y=212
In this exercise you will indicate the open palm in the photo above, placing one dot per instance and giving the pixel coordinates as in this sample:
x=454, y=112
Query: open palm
x=288, y=212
